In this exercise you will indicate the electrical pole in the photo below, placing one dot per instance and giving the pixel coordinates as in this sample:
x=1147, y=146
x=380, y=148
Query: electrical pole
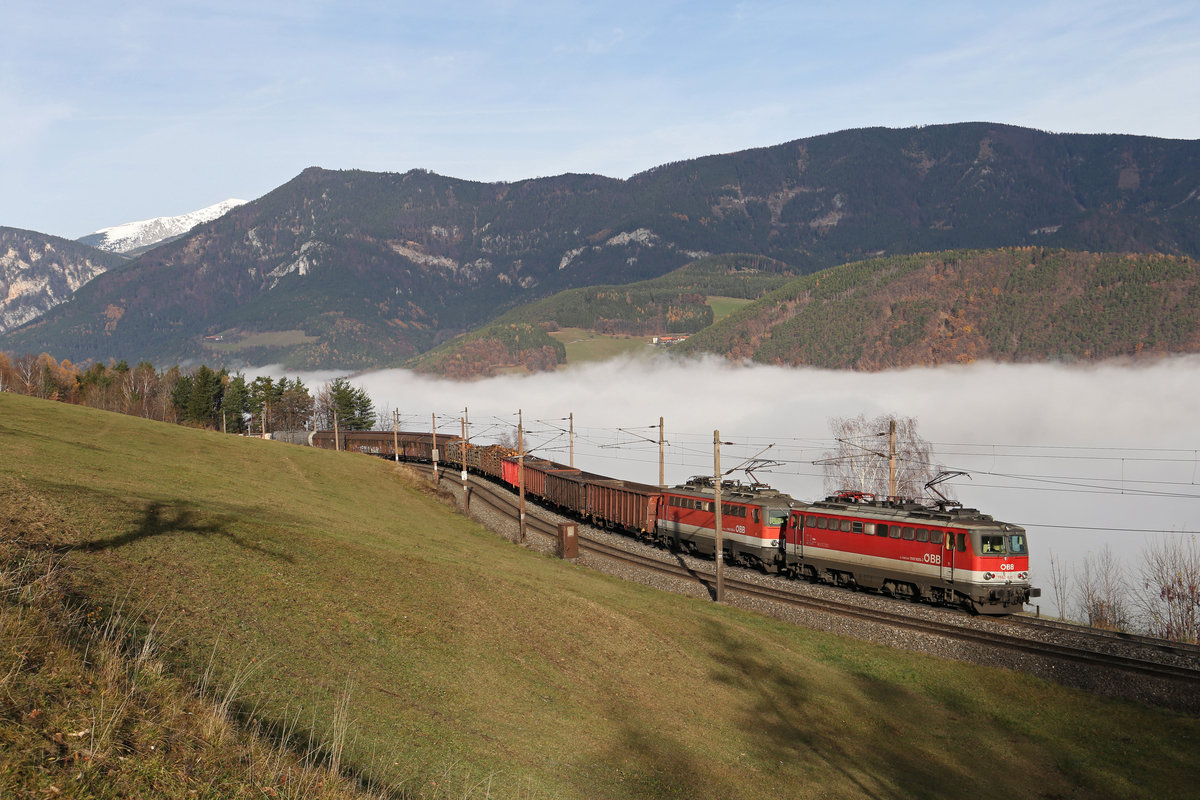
x=521, y=475
x=396, y=435
x=571, y=439
x=433, y=416
x=462, y=450
x=720, y=543
x=337, y=445
x=662, y=481
x=892, y=457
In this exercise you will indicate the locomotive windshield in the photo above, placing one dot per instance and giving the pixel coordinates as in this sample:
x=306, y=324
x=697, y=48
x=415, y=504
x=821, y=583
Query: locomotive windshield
x=1016, y=544
x=992, y=545
x=777, y=516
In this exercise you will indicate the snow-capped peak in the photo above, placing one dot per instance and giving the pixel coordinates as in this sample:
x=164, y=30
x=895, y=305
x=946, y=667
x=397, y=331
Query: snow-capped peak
x=140, y=235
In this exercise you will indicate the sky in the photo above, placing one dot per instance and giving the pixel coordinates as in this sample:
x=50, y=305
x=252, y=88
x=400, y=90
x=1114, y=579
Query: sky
x=1085, y=457
x=122, y=111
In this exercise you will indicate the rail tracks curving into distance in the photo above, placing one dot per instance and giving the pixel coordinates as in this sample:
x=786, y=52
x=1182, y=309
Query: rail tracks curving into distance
x=1134, y=667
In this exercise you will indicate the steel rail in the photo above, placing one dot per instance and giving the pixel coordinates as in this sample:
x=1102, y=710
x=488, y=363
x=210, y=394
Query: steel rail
x=503, y=501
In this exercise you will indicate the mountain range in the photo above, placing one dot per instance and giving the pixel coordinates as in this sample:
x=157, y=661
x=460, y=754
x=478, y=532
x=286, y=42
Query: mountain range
x=359, y=269
x=38, y=271
x=133, y=238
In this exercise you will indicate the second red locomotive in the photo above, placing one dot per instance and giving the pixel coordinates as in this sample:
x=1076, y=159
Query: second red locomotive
x=941, y=554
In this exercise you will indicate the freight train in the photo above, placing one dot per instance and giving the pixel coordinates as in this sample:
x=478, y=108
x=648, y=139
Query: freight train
x=942, y=554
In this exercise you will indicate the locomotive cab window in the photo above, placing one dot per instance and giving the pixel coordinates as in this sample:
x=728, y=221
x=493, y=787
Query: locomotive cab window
x=991, y=545
x=1016, y=544
x=776, y=516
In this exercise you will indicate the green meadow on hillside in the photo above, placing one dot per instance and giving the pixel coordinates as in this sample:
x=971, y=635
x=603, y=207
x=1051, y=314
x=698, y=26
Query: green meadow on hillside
x=331, y=591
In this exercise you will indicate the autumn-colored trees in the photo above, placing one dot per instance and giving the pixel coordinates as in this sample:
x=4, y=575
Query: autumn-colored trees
x=198, y=396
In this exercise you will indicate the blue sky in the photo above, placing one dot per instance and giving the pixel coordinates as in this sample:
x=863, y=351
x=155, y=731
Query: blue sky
x=112, y=112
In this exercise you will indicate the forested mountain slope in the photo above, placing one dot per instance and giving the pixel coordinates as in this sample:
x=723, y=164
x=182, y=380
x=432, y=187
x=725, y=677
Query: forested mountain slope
x=1015, y=304
x=358, y=269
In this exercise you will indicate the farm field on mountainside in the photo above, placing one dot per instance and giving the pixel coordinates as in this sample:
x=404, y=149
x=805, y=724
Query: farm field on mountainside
x=724, y=306
x=308, y=577
x=584, y=346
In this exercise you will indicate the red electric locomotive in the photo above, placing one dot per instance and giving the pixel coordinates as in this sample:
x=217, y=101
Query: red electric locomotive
x=943, y=554
x=752, y=518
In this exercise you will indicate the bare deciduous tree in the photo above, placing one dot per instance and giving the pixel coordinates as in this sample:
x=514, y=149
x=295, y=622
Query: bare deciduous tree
x=1060, y=585
x=1170, y=604
x=27, y=371
x=1102, y=591
x=860, y=462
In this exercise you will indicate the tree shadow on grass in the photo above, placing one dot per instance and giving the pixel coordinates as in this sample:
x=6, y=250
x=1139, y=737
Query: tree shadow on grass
x=645, y=762
x=862, y=729
x=783, y=717
x=162, y=519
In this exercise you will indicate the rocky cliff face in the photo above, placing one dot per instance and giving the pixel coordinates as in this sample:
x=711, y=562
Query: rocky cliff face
x=37, y=272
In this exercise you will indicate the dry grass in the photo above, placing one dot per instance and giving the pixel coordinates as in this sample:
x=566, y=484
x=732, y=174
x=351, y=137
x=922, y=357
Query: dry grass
x=89, y=710
x=338, y=608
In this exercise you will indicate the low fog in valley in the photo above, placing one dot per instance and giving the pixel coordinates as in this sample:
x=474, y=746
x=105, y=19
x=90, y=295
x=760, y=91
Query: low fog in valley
x=1082, y=456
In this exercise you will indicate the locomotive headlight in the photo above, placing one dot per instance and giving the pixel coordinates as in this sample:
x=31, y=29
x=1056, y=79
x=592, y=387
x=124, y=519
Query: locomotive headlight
x=987, y=576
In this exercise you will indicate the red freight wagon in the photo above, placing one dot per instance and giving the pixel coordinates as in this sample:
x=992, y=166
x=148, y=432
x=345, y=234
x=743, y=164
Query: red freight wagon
x=567, y=489
x=624, y=504
x=491, y=460
x=536, y=470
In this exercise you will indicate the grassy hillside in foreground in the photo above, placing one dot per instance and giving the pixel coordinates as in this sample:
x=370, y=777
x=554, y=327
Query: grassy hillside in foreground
x=308, y=576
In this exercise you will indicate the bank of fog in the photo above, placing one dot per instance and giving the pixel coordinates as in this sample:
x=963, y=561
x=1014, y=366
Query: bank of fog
x=1086, y=458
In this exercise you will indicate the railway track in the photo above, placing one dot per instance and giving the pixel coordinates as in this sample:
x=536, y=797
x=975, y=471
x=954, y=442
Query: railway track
x=1136, y=667
x=1180, y=649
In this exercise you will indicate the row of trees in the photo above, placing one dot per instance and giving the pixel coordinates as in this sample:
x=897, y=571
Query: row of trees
x=201, y=396
x=1160, y=596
